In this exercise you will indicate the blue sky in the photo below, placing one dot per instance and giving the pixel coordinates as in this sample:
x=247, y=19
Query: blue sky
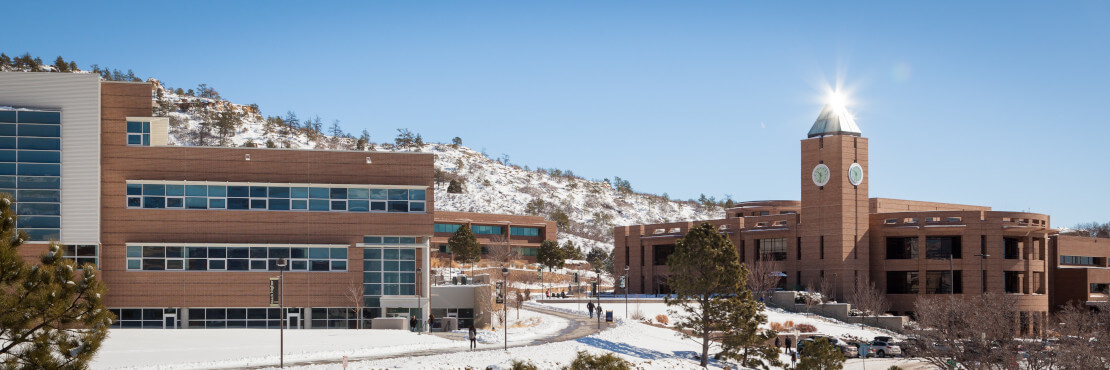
x=995, y=103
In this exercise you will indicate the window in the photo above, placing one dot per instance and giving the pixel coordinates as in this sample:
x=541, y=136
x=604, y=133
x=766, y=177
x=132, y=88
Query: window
x=660, y=253
x=1100, y=288
x=524, y=231
x=262, y=197
x=446, y=228
x=389, y=271
x=901, y=282
x=944, y=282
x=1013, y=281
x=901, y=248
x=532, y=252
x=1011, y=248
x=30, y=169
x=772, y=249
x=138, y=133
x=80, y=254
x=798, y=246
x=235, y=258
x=942, y=247
x=487, y=230
x=822, y=242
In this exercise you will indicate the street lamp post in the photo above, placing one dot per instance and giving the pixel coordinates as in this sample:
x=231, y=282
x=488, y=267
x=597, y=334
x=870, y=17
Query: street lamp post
x=281, y=307
x=982, y=278
x=504, y=304
x=420, y=303
x=625, y=281
x=597, y=294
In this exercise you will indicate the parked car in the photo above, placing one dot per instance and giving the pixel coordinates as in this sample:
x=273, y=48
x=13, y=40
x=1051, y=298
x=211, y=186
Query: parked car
x=883, y=349
x=849, y=350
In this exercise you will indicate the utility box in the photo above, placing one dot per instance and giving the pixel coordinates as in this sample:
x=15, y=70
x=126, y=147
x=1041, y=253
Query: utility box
x=608, y=315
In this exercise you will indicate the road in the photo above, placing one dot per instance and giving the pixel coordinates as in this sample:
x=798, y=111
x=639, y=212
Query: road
x=578, y=327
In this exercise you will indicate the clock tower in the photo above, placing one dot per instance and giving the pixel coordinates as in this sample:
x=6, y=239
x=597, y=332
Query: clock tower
x=835, y=204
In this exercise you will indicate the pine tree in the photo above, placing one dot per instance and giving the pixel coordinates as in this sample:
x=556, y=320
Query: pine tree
x=744, y=341
x=455, y=187
x=705, y=271
x=270, y=144
x=570, y=251
x=550, y=255
x=73, y=66
x=61, y=65
x=821, y=355
x=456, y=142
x=464, y=246
x=51, y=316
x=5, y=61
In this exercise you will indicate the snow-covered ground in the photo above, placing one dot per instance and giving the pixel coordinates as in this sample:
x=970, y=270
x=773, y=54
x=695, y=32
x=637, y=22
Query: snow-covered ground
x=222, y=348
x=646, y=347
x=647, y=311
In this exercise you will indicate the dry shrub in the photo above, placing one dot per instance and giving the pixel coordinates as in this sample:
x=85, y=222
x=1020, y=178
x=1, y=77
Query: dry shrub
x=806, y=328
x=637, y=314
x=776, y=326
x=662, y=319
x=788, y=324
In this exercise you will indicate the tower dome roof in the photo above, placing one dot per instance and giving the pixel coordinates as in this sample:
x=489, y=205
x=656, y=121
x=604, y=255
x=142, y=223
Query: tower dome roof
x=834, y=121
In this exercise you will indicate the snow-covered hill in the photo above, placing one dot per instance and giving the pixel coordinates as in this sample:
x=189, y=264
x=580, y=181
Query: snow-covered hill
x=587, y=209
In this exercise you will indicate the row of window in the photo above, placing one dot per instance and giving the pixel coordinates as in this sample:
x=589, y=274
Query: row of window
x=25, y=116
x=936, y=282
x=1083, y=261
x=205, y=258
x=391, y=240
x=936, y=247
x=489, y=230
x=274, y=198
x=523, y=251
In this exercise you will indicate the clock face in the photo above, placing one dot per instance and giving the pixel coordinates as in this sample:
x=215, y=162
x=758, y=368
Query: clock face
x=821, y=175
x=855, y=174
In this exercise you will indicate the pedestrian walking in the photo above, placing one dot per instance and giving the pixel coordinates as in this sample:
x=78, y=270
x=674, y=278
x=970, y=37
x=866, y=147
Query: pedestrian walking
x=412, y=323
x=777, y=344
x=599, y=310
x=590, y=308
x=789, y=345
x=473, y=334
x=793, y=359
x=431, y=322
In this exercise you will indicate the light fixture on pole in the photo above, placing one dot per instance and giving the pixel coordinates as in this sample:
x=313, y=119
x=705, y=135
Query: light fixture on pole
x=597, y=294
x=420, y=303
x=982, y=276
x=625, y=283
x=504, y=304
x=281, y=304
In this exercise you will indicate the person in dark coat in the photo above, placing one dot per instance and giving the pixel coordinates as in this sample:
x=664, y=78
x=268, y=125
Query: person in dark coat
x=472, y=333
x=412, y=323
x=777, y=344
x=789, y=345
x=431, y=322
x=590, y=307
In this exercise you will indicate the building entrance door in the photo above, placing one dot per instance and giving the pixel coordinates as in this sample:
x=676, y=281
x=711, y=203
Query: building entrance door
x=293, y=321
x=169, y=321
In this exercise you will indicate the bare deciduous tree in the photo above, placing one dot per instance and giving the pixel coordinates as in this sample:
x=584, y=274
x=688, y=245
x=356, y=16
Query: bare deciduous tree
x=354, y=294
x=763, y=276
x=867, y=298
x=500, y=250
x=1084, y=338
x=974, y=332
x=827, y=290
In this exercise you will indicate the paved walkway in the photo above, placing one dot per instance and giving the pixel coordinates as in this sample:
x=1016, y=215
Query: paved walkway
x=579, y=326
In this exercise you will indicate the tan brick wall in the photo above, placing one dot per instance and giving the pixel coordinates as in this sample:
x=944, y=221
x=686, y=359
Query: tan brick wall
x=120, y=225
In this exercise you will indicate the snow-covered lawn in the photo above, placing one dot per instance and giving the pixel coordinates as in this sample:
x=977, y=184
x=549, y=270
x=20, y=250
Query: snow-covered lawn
x=213, y=348
x=824, y=325
x=216, y=348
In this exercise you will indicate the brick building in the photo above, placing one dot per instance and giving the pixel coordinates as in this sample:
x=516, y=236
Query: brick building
x=191, y=236
x=837, y=233
x=521, y=234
